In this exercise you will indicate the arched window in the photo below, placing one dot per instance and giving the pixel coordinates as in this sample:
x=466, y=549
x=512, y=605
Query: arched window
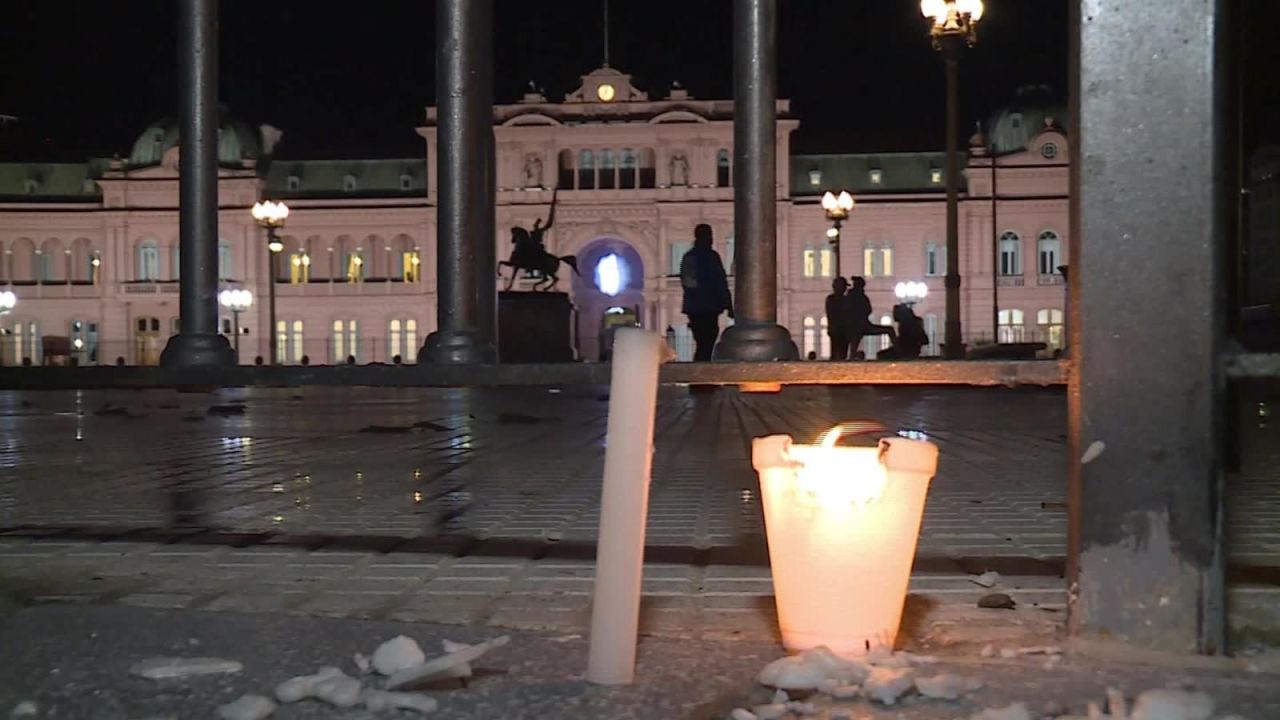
x=608, y=169
x=566, y=170
x=1050, y=323
x=931, y=329
x=824, y=339
x=586, y=170
x=224, y=261
x=1049, y=247
x=289, y=341
x=353, y=265
x=627, y=169
x=648, y=169
x=884, y=339
x=810, y=335
x=1011, y=327
x=810, y=262
x=724, y=169
x=148, y=268
x=402, y=339
x=1010, y=253
x=346, y=341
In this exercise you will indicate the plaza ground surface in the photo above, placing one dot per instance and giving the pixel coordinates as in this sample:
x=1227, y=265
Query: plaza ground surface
x=323, y=509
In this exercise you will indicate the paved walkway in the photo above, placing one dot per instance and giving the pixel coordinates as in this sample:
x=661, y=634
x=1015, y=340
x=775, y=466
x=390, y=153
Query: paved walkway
x=480, y=506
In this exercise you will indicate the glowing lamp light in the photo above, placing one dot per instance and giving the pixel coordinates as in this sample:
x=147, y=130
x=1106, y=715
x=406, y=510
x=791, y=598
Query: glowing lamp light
x=8, y=300
x=832, y=232
x=837, y=207
x=842, y=525
x=270, y=214
x=236, y=300
x=611, y=275
x=911, y=292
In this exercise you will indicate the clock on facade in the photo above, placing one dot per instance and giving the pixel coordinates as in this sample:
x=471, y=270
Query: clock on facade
x=605, y=92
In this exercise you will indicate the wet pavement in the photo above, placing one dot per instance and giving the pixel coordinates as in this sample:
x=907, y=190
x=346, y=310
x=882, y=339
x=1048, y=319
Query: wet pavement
x=479, y=506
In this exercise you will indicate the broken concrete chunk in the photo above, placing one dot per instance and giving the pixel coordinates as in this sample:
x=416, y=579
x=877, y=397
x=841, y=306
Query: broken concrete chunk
x=997, y=601
x=773, y=711
x=339, y=690
x=986, y=579
x=944, y=687
x=378, y=700
x=886, y=685
x=454, y=664
x=165, y=668
x=398, y=653
x=810, y=668
x=802, y=709
x=247, y=707
x=303, y=686
x=1164, y=704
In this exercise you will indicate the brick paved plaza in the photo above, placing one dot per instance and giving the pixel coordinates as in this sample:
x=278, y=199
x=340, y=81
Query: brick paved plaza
x=480, y=506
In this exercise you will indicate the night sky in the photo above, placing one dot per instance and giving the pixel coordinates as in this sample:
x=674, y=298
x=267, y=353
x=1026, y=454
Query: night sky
x=861, y=75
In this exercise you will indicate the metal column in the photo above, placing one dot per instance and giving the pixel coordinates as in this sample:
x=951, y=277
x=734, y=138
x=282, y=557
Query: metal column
x=198, y=342
x=1151, y=190
x=464, y=236
x=953, y=346
x=755, y=335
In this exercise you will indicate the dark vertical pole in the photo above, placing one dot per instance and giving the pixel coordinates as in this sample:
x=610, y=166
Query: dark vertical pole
x=954, y=347
x=464, y=239
x=273, y=347
x=756, y=335
x=995, y=250
x=487, y=250
x=1145, y=483
x=198, y=343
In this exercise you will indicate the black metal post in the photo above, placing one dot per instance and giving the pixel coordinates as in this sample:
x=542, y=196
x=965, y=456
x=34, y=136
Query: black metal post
x=273, y=338
x=755, y=335
x=235, y=343
x=1146, y=394
x=953, y=349
x=835, y=247
x=465, y=230
x=198, y=342
x=995, y=248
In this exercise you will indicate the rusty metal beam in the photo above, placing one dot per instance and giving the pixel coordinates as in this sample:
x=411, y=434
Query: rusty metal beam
x=1147, y=394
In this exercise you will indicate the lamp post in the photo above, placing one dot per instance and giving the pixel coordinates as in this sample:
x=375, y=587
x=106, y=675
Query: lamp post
x=837, y=208
x=953, y=25
x=237, y=301
x=271, y=216
x=910, y=293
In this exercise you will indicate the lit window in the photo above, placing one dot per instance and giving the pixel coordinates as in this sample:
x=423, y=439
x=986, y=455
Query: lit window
x=876, y=177
x=1010, y=254
x=354, y=263
x=412, y=266
x=877, y=262
x=299, y=268
x=1050, y=322
x=148, y=261
x=349, y=183
x=869, y=262
x=826, y=264
x=935, y=176
x=1049, y=247
x=810, y=336
x=345, y=340
x=1011, y=329
x=815, y=177
x=810, y=262
x=886, y=262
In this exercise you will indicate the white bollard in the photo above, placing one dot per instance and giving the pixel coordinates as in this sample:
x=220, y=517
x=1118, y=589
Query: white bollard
x=624, y=505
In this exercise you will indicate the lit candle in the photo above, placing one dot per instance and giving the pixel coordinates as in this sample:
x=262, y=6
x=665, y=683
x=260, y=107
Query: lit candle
x=842, y=524
x=624, y=505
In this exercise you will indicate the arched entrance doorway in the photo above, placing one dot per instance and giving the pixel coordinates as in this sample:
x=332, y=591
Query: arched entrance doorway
x=608, y=293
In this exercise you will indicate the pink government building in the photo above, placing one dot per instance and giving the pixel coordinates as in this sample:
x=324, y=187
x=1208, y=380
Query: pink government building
x=91, y=250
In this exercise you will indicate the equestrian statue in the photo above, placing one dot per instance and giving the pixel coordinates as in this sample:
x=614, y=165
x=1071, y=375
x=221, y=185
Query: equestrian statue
x=530, y=253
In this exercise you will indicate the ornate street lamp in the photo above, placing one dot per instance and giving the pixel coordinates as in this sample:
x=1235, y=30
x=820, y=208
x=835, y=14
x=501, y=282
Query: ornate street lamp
x=910, y=293
x=237, y=301
x=837, y=208
x=953, y=25
x=271, y=215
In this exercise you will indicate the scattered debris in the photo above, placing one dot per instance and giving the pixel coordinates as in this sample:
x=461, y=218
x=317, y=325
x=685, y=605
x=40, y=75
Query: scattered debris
x=338, y=689
x=1095, y=449
x=377, y=700
x=997, y=601
x=363, y=663
x=802, y=708
x=810, y=668
x=398, y=653
x=164, y=668
x=24, y=709
x=946, y=686
x=773, y=711
x=886, y=685
x=987, y=579
x=247, y=707
x=1016, y=711
x=303, y=686
x=741, y=714
x=1166, y=704
x=455, y=663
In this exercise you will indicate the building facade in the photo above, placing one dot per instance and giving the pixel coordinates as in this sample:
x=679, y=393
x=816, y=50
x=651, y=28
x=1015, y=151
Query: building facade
x=91, y=249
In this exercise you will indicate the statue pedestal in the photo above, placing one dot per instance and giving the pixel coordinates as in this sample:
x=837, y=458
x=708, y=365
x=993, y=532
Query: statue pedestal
x=535, y=327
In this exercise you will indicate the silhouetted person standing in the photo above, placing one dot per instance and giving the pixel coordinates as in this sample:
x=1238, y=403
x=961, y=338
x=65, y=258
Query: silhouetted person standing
x=706, y=292
x=860, y=324
x=838, y=319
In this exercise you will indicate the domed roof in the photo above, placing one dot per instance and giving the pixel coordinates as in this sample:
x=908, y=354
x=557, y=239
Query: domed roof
x=237, y=141
x=1033, y=108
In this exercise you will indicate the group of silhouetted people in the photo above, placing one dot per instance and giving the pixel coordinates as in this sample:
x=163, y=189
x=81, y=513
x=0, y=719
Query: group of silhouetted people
x=849, y=321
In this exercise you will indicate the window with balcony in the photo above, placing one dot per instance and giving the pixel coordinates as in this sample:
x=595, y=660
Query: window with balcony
x=586, y=170
x=1049, y=247
x=289, y=341
x=1010, y=253
x=353, y=266
x=402, y=336
x=877, y=262
x=608, y=168
x=627, y=169
x=1050, y=322
x=299, y=267
x=148, y=261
